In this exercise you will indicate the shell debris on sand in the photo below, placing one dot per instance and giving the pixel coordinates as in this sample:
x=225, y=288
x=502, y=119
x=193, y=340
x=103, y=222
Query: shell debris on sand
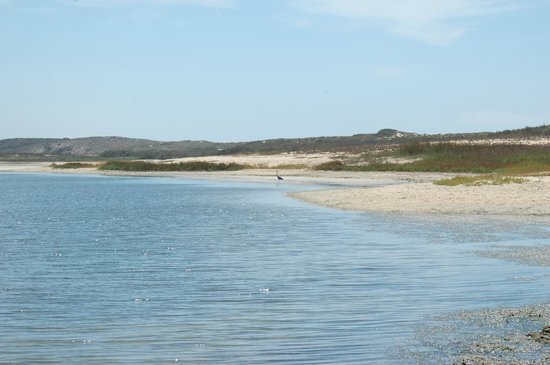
x=491, y=336
x=533, y=256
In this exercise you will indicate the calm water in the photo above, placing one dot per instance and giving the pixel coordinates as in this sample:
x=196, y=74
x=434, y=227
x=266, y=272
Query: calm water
x=134, y=270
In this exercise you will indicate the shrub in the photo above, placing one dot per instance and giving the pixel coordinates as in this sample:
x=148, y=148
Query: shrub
x=73, y=165
x=332, y=166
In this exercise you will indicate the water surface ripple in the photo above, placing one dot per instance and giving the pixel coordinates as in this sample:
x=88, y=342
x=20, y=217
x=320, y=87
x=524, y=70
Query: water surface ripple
x=135, y=270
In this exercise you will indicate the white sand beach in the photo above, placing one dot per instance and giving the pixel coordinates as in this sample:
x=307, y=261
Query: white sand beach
x=531, y=198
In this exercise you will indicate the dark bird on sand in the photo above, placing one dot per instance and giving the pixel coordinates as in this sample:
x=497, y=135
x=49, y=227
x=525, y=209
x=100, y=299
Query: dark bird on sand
x=278, y=177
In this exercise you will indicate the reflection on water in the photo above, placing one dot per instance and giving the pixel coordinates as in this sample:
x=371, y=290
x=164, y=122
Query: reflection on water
x=133, y=270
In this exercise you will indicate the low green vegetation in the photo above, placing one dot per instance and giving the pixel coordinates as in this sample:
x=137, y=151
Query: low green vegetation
x=73, y=165
x=508, y=159
x=153, y=166
x=335, y=165
x=180, y=166
x=478, y=180
x=512, y=159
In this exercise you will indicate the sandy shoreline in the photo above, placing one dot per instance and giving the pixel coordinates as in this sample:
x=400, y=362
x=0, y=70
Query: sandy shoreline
x=531, y=198
x=388, y=192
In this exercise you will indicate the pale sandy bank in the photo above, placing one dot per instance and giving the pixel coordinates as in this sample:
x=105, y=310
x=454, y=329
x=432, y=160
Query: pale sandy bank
x=278, y=160
x=529, y=198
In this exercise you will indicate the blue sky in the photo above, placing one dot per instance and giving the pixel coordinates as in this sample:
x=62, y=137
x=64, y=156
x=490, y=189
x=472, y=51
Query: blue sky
x=234, y=70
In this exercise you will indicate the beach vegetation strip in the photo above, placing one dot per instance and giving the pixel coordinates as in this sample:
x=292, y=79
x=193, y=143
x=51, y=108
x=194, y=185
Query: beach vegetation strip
x=74, y=165
x=144, y=166
x=508, y=159
x=478, y=180
x=180, y=166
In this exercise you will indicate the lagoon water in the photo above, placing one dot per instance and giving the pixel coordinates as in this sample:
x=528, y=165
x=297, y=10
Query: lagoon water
x=148, y=270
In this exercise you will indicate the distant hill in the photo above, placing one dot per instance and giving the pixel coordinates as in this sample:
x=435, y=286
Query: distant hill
x=120, y=147
x=105, y=147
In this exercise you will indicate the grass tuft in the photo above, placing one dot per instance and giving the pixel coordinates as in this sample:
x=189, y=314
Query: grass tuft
x=479, y=180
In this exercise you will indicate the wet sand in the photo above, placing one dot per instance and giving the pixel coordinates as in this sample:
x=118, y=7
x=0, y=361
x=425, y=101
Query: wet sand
x=491, y=336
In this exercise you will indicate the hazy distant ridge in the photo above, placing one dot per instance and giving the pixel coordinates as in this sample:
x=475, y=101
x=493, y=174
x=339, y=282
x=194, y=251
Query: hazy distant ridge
x=120, y=147
x=106, y=147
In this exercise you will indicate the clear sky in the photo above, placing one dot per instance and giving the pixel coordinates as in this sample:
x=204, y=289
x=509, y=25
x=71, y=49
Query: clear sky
x=235, y=70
